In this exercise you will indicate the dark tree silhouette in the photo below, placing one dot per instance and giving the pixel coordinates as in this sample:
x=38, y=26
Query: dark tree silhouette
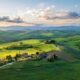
x=17, y=57
x=37, y=53
x=55, y=57
x=9, y=58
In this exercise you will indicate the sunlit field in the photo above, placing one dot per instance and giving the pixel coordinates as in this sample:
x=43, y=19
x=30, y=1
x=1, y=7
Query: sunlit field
x=21, y=47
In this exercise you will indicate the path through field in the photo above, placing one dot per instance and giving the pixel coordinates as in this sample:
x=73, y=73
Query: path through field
x=4, y=66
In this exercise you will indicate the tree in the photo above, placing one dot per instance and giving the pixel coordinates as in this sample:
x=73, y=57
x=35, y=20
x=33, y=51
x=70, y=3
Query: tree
x=17, y=57
x=9, y=58
x=36, y=56
x=37, y=53
x=21, y=43
x=55, y=57
x=53, y=41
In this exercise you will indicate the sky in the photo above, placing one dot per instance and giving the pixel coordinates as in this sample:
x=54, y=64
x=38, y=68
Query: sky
x=39, y=12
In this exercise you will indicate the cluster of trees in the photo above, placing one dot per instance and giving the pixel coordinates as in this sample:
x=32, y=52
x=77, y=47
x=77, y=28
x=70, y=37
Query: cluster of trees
x=10, y=59
x=18, y=47
x=17, y=57
x=50, y=42
x=25, y=56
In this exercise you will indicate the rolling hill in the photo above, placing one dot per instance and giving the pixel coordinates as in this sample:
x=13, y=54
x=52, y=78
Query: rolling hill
x=19, y=41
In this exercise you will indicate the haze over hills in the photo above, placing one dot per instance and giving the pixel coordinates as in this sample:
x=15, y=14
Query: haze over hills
x=21, y=28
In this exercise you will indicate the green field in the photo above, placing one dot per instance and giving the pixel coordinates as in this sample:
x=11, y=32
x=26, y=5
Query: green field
x=41, y=70
x=31, y=42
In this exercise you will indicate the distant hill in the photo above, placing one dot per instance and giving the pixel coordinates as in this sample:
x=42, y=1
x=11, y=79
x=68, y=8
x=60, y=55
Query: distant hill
x=15, y=33
x=21, y=28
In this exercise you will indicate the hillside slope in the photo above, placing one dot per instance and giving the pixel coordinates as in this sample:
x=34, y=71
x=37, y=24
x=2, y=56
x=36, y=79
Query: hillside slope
x=41, y=70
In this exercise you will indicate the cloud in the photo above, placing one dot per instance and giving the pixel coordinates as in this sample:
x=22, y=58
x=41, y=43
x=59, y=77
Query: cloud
x=61, y=15
x=7, y=21
x=5, y=18
x=15, y=20
x=33, y=14
x=73, y=15
x=48, y=16
x=44, y=16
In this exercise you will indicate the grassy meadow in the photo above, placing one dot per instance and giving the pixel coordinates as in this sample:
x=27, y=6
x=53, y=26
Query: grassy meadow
x=41, y=70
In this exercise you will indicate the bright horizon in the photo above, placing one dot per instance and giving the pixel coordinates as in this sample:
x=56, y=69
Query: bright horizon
x=42, y=12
